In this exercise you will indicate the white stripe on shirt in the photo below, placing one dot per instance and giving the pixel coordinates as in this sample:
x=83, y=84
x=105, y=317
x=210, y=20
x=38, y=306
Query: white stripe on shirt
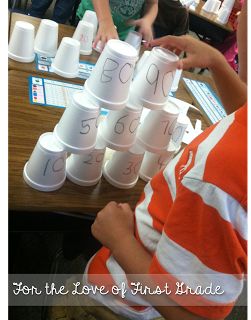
x=229, y=209
x=208, y=144
x=144, y=222
x=185, y=266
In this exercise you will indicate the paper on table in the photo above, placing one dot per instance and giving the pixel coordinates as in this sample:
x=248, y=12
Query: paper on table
x=182, y=105
x=191, y=133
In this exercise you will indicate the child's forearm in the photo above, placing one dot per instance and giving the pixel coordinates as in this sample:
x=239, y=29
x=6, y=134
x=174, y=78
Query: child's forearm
x=102, y=8
x=232, y=90
x=151, y=10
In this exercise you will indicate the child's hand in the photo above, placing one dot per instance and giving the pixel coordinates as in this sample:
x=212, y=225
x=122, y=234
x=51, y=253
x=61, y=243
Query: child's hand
x=199, y=54
x=106, y=31
x=144, y=27
x=114, y=223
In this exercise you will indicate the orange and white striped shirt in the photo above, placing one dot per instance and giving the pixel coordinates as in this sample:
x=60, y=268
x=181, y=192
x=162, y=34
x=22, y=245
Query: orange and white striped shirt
x=192, y=219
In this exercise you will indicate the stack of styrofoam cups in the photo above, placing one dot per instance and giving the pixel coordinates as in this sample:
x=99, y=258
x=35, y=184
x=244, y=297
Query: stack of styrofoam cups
x=152, y=84
x=21, y=45
x=120, y=127
x=109, y=83
x=155, y=132
x=176, y=80
x=86, y=169
x=179, y=130
x=46, y=40
x=45, y=170
x=225, y=11
x=91, y=17
x=153, y=162
x=84, y=34
x=66, y=62
x=134, y=38
x=122, y=170
x=77, y=128
x=212, y=6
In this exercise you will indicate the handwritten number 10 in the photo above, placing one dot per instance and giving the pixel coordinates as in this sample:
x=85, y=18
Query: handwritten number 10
x=54, y=169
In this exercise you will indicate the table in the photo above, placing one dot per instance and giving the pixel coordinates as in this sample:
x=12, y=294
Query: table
x=205, y=24
x=26, y=123
x=63, y=31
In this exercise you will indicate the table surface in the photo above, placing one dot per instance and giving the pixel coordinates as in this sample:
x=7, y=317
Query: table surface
x=26, y=123
x=210, y=17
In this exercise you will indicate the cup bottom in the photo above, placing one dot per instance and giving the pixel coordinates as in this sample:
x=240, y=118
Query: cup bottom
x=80, y=182
x=115, y=146
x=115, y=183
x=104, y=103
x=21, y=59
x=38, y=186
x=45, y=53
x=86, y=52
x=63, y=73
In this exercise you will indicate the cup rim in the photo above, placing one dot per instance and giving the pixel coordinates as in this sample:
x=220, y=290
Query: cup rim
x=144, y=177
x=45, y=53
x=41, y=187
x=115, y=183
x=63, y=73
x=81, y=182
x=20, y=58
x=68, y=148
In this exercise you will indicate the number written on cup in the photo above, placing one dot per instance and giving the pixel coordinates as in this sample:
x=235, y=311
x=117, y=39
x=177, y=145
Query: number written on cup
x=94, y=158
x=87, y=123
x=158, y=79
x=110, y=70
x=168, y=126
x=54, y=166
x=121, y=125
x=132, y=168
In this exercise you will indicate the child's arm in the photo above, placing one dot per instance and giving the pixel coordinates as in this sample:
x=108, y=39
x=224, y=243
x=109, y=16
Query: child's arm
x=114, y=228
x=145, y=23
x=106, y=28
x=232, y=90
